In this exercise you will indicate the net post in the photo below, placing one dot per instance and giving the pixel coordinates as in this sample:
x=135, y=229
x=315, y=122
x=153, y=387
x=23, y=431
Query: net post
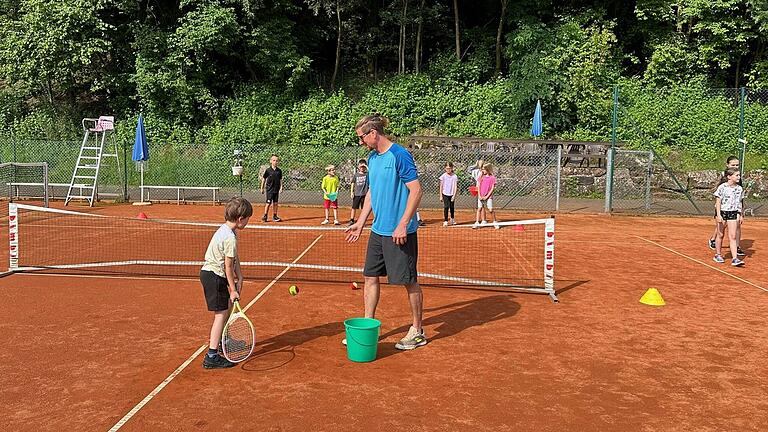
x=45, y=184
x=611, y=152
x=559, y=169
x=549, y=258
x=13, y=237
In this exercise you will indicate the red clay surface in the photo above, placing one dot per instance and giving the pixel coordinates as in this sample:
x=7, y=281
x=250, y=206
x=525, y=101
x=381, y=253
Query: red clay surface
x=81, y=352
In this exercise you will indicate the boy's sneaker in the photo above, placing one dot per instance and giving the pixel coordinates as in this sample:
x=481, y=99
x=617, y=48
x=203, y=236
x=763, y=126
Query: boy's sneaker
x=336, y=222
x=712, y=244
x=422, y=223
x=737, y=262
x=475, y=225
x=276, y=218
x=496, y=225
x=351, y=222
x=483, y=223
x=718, y=259
x=324, y=222
x=412, y=340
x=740, y=252
x=344, y=341
x=216, y=362
x=445, y=223
x=264, y=218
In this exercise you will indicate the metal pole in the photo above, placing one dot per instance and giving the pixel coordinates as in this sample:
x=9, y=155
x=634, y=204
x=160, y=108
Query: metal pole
x=125, y=172
x=742, y=141
x=648, y=181
x=611, y=152
x=557, y=186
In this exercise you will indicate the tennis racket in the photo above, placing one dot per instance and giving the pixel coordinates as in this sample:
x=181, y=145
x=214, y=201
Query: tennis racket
x=238, y=336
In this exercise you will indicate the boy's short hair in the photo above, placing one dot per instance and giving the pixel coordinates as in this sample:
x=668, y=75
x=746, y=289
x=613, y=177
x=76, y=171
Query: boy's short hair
x=330, y=167
x=730, y=159
x=362, y=162
x=237, y=208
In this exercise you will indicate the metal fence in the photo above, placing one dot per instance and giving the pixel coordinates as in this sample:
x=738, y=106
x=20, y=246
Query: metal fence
x=536, y=176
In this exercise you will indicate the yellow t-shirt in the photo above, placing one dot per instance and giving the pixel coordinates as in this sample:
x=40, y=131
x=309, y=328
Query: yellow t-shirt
x=330, y=184
x=223, y=244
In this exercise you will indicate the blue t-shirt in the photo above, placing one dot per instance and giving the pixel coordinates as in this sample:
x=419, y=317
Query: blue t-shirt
x=387, y=175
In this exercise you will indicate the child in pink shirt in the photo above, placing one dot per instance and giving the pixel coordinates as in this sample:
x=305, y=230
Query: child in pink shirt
x=487, y=184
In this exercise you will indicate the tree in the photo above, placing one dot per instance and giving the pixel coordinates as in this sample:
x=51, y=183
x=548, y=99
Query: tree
x=456, y=25
x=499, y=35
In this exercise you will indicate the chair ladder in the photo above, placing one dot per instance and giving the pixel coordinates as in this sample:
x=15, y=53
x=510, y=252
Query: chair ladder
x=84, y=184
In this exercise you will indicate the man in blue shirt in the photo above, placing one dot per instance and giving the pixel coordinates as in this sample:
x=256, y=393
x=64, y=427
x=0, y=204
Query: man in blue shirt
x=394, y=194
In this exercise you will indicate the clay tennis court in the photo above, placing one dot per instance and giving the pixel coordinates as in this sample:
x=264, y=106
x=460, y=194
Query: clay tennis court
x=88, y=353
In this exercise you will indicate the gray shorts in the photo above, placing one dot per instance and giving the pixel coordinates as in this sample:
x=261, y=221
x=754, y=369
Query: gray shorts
x=385, y=258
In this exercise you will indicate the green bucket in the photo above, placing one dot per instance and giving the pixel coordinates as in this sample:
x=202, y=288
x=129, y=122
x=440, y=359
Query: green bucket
x=362, y=339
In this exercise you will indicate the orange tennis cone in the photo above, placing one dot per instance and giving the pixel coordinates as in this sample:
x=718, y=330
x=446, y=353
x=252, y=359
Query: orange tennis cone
x=652, y=297
x=520, y=227
x=142, y=216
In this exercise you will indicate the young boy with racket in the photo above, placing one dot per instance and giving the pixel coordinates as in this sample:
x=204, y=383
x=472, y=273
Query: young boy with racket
x=330, y=188
x=359, y=189
x=221, y=276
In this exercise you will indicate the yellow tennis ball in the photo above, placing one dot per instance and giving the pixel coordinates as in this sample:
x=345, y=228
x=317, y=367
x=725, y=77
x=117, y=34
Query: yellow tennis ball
x=293, y=290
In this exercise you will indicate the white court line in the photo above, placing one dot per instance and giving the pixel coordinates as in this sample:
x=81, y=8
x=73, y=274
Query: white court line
x=703, y=263
x=186, y=363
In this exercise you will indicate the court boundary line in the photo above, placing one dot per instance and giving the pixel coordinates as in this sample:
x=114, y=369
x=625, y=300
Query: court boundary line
x=702, y=263
x=186, y=363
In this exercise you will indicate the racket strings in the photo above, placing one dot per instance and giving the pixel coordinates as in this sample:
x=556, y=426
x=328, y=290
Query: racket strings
x=237, y=340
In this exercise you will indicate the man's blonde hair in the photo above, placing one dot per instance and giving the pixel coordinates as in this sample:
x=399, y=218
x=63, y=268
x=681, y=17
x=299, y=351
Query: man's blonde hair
x=371, y=122
x=237, y=208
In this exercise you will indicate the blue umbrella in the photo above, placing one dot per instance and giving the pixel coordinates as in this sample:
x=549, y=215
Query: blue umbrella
x=141, y=151
x=140, y=147
x=537, y=127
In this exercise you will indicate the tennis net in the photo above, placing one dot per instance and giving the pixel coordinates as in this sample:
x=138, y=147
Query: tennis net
x=518, y=256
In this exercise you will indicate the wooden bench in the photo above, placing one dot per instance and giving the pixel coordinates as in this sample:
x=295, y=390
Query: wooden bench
x=180, y=197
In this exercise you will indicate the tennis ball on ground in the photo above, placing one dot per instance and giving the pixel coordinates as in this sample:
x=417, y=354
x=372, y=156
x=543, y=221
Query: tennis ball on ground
x=353, y=285
x=293, y=290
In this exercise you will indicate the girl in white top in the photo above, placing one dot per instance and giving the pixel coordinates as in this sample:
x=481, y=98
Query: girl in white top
x=448, y=186
x=728, y=207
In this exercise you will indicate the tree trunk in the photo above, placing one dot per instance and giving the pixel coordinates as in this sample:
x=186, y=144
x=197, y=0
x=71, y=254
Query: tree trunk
x=498, y=36
x=401, y=50
x=338, y=46
x=417, y=53
x=456, y=22
x=738, y=70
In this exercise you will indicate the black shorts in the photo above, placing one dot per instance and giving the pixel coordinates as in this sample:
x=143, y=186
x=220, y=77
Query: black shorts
x=215, y=289
x=397, y=263
x=358, y=201
x=273, y=197
x=729, y=215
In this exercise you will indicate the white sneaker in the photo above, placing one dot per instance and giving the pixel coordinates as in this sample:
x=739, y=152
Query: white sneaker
x=484, y=223
x=344, y=341
x=325, y=222
x=445, y=223
x=412, y=340
x=475, y=225
x=336, y=222
x=453, y=221
x=496, y=225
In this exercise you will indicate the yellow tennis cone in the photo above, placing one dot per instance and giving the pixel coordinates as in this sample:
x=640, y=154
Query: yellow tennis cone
x=652, y=297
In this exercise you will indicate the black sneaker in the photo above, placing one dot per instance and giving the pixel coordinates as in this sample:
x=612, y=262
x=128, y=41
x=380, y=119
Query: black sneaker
x=712, y=244
x=351, y=222
x=216, y=362
x=276, y=218
x=422, y=223
x=740, y=252
x=264, y=218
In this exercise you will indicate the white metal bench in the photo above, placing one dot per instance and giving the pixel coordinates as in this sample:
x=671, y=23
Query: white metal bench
x=180, y=197
x=14, y=186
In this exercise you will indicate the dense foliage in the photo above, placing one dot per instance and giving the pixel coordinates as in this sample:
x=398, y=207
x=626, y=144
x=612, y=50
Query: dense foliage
x=215, y=73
